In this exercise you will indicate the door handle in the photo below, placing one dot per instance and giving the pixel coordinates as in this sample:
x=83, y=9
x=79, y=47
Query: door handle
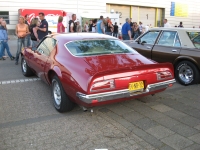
x=174, y=50
x=148, y=47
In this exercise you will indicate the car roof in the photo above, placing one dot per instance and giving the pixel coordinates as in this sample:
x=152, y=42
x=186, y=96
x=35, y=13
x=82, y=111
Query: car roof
x=81, y=36
x=177, y=29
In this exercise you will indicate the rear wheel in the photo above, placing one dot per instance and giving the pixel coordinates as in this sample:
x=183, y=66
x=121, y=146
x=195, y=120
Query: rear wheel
x=61, y=101
x=187, y=73
x=26, y=70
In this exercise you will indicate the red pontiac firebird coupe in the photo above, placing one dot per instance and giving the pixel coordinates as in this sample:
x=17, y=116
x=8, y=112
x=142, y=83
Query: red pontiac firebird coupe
x=94, y=69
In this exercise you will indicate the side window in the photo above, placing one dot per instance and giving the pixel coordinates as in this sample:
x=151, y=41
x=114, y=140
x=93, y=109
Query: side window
x=149, y=38
x=169, y=38
x=46, y=46
x=196, y=41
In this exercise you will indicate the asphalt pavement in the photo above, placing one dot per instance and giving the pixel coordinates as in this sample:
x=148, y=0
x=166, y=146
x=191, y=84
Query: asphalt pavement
x=166, y=121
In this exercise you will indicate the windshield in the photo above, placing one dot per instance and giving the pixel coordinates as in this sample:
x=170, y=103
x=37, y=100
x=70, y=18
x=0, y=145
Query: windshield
x=98, y=47
x=195, y=38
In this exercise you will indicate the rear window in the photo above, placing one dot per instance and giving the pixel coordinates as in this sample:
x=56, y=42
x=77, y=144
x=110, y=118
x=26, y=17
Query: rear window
x=98, y=47
x=195, y=38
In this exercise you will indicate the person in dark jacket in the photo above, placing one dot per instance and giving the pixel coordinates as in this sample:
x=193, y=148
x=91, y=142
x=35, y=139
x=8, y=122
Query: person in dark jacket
x=181, y=25
x=4, y=41
x=43, y=28
x=34, y=35
x=72, y=24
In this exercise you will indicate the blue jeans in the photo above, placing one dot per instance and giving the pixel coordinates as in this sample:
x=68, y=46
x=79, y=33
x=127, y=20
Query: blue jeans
x=5, y=46
x=115, y=34
x=34, y=45
x=109, y=33
x=125, y=37
x=1, y=50
x=28, y=38
x=20, y=42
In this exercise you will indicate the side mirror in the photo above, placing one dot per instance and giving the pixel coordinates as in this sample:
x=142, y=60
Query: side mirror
x=143, y=42
x=138, y=41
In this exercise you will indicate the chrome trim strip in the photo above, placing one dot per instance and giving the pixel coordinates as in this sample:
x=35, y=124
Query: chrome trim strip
x=123, y=93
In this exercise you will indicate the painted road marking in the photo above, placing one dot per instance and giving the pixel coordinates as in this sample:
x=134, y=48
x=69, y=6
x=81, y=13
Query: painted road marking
x=19, y=81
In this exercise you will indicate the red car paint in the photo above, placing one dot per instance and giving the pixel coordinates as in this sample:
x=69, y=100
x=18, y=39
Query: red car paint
x=78, y=73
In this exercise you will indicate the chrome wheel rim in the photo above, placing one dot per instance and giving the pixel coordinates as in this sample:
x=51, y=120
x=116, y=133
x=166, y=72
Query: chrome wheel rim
x=56, y=92
x=24, y=66
x=186, y=74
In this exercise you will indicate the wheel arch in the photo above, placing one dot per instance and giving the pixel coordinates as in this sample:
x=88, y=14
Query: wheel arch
x=54, y=71
x=186, y=58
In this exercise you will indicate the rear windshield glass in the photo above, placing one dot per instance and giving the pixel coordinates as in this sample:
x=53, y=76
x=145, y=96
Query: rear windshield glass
x=98, y=47
x=195, y=38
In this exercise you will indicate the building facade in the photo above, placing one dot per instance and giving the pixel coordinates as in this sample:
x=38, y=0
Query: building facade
x=149, y=12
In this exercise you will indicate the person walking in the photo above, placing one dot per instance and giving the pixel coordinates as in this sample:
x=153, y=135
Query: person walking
x=115, y=32
x=43, y=28
x=181, y=25
x=126, y=30
x=100, y=26
x=60, y=26
x=28, y=37
x=141, y=28
x=4, y=41
x=166, y=24
x=72, y=25
x=90, y=26
x=136, y=31
x=86, y=27
x=94, y=29
x=109, y=27
x=34, y=35
x=78, y=26
x=21, y=31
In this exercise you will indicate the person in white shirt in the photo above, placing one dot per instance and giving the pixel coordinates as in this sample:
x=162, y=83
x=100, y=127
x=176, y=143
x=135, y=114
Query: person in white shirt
x=146, y=28
x=166, y=24
x=120, y=28
x=141, y=27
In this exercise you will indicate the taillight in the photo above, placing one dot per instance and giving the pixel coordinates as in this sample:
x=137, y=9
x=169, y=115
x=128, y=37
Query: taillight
x=164, y=75
x=103, y=85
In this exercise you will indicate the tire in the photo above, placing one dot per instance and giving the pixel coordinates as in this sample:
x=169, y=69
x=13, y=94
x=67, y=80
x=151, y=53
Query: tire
x=61, y=101
x=187, y=73
x=26, y=70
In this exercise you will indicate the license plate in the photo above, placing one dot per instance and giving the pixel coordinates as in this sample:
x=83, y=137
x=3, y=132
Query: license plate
x=136, y=86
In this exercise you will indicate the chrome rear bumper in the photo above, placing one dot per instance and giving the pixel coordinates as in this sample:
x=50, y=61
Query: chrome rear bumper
x=100, y=97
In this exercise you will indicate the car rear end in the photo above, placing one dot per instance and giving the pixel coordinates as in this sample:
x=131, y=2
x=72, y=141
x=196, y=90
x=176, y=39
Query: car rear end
x=115, y=87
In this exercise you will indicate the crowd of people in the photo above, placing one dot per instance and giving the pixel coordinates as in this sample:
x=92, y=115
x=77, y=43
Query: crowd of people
x=29, y=35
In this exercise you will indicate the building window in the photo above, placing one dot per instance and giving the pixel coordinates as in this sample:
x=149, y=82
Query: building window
x=5, y=16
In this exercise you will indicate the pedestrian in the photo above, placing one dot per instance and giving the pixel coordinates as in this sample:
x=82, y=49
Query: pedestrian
x=136, y=31
x=4, y=41
x=78, y=26
x=101, y=25
x=90, y=26
x=181, y=25
x=28, y=37
x=72, y=24
x=34, y=35
x=94, y=22
x=109, y=27
x=166, y=24
x=141, y=28
x=126, y=30
x=86, y=27
x=60, y=26
x=43, y=28
x=115, y=32
x=21, y=31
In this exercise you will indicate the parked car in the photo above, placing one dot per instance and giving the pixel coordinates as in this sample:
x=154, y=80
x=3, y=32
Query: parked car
x=94, y=69
x=180, y=46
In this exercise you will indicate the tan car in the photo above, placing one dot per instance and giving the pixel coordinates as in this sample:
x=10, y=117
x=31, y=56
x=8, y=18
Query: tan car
x=180, y=46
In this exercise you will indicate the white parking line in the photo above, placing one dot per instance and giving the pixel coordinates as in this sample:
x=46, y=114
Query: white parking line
x=19, y=81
